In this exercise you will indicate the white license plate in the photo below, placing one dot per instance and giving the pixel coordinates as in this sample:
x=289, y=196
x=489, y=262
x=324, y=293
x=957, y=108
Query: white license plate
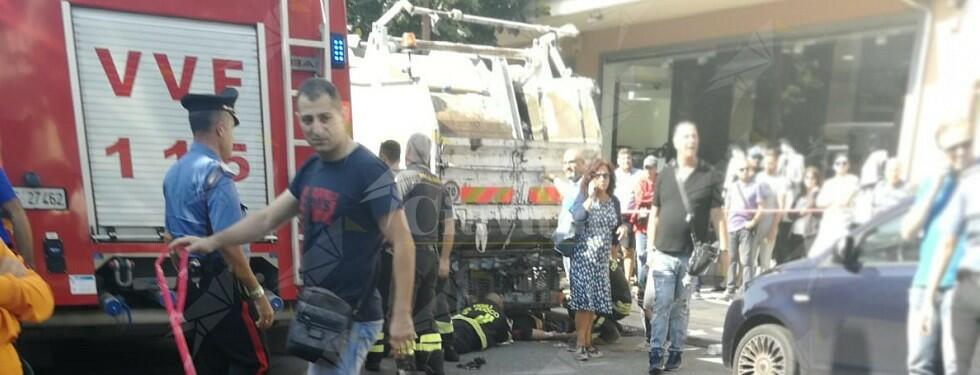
x=42, y=198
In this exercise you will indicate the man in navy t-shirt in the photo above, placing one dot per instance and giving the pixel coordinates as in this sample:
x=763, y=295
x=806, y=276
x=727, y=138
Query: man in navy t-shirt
x=22, y=228
x=348, y=203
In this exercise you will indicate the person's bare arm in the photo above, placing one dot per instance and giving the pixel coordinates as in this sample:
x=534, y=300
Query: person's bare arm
x=942, y=260
x=721, y=227
x=782, y=204
x=448, y=239
x=23, y=235
x=252, y=227
x=541, y=335
x=394, y=227
x=936, y=272
x=652, y=231
x=760, y=206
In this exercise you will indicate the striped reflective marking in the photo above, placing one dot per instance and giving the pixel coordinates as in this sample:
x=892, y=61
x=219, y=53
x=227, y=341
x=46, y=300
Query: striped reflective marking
x=486, y=195
x=430, y=342
x=444, y=328
x=544, y=195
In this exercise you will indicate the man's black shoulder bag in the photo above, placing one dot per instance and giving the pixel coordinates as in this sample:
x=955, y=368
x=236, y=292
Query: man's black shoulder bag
x=322, y=324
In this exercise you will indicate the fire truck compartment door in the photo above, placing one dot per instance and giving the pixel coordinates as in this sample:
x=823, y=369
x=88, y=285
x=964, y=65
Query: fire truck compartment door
x=132, y=70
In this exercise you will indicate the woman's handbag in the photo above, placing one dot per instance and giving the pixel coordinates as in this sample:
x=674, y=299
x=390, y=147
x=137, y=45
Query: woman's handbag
x=568, y=227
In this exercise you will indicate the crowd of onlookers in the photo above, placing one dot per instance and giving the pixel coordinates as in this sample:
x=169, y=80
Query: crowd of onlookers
x=765, y=208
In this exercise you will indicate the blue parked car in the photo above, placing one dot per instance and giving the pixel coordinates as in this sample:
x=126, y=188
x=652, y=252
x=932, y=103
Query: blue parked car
x=840, y=312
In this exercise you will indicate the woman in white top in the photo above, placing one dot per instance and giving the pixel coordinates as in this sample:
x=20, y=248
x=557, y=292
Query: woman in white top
x=836, y=198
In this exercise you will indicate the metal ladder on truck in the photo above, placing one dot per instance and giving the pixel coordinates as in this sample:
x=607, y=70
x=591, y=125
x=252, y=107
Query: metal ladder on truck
x=323, y=45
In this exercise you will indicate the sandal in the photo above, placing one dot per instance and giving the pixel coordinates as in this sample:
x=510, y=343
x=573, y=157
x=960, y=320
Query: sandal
x=594, y=352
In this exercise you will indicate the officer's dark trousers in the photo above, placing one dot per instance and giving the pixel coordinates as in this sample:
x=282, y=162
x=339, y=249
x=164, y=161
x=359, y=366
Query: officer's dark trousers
x=428, y=346
x=220, y=328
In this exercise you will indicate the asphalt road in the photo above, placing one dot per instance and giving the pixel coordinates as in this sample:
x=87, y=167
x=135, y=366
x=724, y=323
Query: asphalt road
x=627, y=356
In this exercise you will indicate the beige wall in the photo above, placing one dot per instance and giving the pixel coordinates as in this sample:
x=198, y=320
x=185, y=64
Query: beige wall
x=785, y=15
x=951, y=73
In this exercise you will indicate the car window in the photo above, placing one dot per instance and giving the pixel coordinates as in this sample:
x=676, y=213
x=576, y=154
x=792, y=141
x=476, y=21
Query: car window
x=884, y=244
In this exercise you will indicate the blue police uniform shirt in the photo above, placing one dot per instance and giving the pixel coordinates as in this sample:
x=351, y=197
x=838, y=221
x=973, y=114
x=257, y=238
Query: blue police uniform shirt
x=6, y=195
x=340, y=204
x=200, y=196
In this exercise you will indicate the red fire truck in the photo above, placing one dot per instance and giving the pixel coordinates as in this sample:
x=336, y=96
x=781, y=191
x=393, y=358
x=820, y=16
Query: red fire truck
x=90, y=122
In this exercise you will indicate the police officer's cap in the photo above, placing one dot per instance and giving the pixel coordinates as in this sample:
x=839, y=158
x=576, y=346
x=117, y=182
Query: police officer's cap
x=207, y=102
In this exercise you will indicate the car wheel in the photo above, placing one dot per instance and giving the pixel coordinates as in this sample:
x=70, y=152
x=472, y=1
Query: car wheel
x=766, y=350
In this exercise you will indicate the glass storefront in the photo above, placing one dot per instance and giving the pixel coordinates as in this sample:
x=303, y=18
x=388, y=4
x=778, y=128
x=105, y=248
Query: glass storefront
x=822, y=92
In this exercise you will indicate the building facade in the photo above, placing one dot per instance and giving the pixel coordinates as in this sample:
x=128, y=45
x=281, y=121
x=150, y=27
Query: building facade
x=822, y=76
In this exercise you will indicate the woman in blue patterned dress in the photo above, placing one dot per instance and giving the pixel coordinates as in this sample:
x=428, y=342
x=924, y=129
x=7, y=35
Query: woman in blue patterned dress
x=600, y=217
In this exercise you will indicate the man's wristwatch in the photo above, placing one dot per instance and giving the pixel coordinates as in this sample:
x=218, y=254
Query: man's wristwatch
x=256, y=293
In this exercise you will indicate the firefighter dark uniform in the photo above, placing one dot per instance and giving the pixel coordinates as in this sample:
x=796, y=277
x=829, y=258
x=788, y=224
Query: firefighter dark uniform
x=480, y=327
x=381, y=347
x=607, y=327
x=427, y=205
x=201, y=199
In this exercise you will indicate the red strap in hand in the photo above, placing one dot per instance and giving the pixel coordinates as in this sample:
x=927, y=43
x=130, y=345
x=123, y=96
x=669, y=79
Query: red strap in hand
x=176, y=314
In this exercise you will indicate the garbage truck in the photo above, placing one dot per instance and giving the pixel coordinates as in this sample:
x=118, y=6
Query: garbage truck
x=500, y=120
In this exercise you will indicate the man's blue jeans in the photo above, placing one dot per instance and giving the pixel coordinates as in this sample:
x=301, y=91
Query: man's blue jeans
x=925, y=354
x=669, y=296
x=362, y=337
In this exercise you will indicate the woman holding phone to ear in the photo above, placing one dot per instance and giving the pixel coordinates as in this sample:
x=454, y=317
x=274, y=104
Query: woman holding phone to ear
x=591, y=292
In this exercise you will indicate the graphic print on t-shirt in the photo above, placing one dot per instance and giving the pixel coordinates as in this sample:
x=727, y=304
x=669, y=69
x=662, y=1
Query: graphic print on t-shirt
x=318, y=204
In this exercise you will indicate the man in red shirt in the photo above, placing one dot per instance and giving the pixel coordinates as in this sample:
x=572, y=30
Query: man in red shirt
x=643, y=199
x=645, y=184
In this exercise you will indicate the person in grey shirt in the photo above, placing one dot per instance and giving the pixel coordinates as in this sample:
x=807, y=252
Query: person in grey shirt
x=891, y=190
x=959, y=222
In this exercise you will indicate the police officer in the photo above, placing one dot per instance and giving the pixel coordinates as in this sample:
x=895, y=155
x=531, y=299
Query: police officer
x=427, y=205
x=201, y=199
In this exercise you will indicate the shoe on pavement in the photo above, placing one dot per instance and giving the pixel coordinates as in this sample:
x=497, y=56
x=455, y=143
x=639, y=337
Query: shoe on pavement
x=656, y=361
x=594, y=352
x=572, y=347
x=697, y=296
x=673, y=361
x=581, y=354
